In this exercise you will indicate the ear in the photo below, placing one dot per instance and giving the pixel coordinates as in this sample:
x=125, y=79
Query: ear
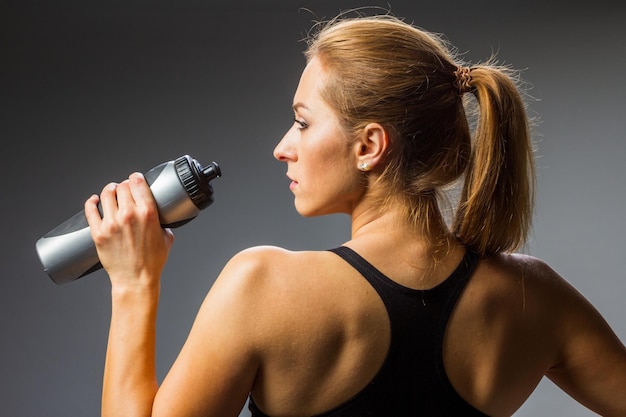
x=372, y=145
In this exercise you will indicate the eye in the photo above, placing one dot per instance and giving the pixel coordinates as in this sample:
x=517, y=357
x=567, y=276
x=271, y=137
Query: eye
x=301, y=124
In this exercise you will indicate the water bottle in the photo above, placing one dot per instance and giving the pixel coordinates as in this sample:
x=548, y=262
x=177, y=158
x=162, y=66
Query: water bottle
x=181, y=188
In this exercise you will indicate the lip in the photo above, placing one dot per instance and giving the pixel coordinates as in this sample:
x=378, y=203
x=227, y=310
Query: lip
x=293, y=183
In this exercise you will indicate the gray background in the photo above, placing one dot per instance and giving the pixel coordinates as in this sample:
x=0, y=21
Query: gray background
x=94, y=90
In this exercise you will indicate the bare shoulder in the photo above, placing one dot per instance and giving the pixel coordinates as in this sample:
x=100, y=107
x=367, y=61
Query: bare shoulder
x=270, y=277
x=514, y=292
x=535, y=291
x=268, y=253
x=527, y=276
x=267, y=291
x=288, y=289
x=255, y=261
x=517, y=264
x=262, y=264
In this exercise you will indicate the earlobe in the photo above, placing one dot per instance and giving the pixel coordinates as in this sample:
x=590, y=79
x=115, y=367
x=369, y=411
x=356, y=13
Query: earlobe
x=372, y=147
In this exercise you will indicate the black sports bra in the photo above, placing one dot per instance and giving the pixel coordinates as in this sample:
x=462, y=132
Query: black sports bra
x=412, y=380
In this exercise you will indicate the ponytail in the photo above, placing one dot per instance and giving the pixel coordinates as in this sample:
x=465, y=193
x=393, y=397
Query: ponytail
x=496, y=204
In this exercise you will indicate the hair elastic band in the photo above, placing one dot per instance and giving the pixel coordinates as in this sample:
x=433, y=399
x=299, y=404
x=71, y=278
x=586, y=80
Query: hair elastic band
x=463, y=80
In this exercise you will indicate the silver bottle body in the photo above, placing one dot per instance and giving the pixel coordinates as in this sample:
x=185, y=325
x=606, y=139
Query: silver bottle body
x=67, y=252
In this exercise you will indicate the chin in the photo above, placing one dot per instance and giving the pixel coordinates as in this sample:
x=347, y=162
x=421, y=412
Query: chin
x=305, y=213
x=325, y=207
x=308, y=211
x=314, y=211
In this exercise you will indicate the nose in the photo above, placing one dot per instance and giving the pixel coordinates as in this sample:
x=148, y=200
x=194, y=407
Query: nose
x=284, y=150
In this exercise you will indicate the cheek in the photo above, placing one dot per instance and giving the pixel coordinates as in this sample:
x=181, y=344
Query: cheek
x=340, y=177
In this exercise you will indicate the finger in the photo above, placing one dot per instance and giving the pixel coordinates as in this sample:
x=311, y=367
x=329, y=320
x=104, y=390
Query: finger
x=124, y=196
x=141, y=190
x=108, y=200
x=91, y=211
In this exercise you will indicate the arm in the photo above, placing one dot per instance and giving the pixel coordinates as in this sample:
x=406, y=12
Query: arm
x=592, y=359
x=133, y=249
x=215, y=369
x=217, y=366
x=130, y=383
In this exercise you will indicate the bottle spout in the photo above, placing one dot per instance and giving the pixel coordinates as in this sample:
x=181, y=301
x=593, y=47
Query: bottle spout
x=212, y=171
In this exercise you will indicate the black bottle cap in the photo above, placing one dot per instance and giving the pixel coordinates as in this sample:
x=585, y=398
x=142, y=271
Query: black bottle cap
x=195, y=179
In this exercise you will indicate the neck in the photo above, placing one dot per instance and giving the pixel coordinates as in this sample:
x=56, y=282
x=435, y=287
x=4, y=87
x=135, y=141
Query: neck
x=392, y=226
x=401, y=250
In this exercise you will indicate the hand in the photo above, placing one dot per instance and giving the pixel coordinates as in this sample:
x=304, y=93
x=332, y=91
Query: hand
x=131, y=244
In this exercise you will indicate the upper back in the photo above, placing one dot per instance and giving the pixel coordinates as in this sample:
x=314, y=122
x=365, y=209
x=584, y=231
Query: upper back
x=338, y=334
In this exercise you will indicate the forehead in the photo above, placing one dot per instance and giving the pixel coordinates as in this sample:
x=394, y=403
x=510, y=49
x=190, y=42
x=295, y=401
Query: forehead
x=311, y=83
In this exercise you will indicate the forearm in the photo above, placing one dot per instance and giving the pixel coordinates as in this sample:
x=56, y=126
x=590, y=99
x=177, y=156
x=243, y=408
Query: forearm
x=130, y=383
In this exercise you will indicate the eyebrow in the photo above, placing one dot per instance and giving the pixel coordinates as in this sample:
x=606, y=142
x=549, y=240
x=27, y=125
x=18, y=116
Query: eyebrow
x=299, y=105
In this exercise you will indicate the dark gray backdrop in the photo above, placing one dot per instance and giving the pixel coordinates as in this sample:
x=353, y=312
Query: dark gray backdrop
x=94, y=90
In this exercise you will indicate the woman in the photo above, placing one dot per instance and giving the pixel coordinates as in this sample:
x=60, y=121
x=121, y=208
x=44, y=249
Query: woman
x=408, y=317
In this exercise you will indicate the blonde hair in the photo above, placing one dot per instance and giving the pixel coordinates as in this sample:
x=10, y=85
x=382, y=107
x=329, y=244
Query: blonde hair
x=381, y=69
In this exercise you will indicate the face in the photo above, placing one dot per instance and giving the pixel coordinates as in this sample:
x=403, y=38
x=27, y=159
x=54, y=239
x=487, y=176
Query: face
x=320, y=156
